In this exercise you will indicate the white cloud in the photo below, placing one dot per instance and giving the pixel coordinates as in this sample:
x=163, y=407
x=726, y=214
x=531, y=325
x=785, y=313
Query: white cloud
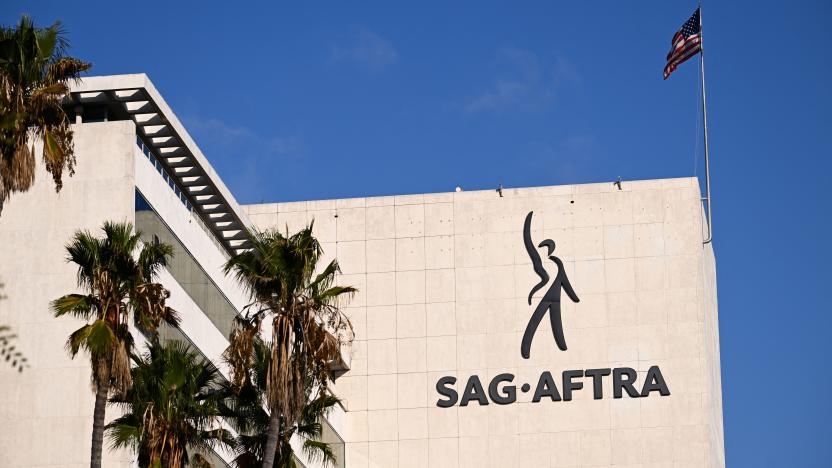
x=217, y=130
x=253, y=161
x=365, y=48
x=524, y=82
x=218, y=133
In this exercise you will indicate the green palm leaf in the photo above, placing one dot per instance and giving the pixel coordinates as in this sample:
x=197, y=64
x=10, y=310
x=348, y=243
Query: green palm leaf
x=172, y=408
x=83, y=306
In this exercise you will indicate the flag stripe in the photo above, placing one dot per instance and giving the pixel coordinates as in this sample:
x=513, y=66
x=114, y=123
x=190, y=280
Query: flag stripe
x=682, y=56
x=681, y=45
x=692, y=46
x=671, y=66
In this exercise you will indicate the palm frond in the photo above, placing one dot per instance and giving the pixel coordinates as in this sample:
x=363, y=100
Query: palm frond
x=54, y=90
x=85, y=251
x=152, y=257
x=97, y=338
x=120, y=239
x=319, y=452
x=331, y=295
x=148, y=301
x=123, y=433
x=324, y=279
x=52, y=150
x=240, y=352
x=172, y=400
x=66, y=69
x=83, y=306
x=318, y=407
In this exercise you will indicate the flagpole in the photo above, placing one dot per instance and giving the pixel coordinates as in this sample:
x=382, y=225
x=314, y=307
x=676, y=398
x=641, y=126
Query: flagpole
x=705, y=127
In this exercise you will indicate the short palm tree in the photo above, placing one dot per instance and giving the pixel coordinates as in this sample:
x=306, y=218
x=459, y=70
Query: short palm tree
x=243, y=410
x=307, y=326
x=34, y=73
x=171, y=409
x=117, y=273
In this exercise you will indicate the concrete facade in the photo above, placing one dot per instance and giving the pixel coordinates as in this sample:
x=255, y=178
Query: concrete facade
x=140, y=167
x=443, y=282
x=46, y=411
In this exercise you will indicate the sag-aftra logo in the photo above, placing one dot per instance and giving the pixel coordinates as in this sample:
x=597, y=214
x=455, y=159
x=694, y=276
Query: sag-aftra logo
x=502, y=390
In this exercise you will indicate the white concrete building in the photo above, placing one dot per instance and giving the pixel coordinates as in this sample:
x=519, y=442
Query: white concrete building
x=435, y=376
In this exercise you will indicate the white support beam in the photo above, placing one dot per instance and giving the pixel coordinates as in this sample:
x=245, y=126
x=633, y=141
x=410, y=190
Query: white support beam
x=138, y=106
x=128, y=94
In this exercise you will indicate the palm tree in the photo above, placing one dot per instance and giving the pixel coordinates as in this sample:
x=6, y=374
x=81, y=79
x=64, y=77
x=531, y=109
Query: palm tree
x=118, y=284
x=307, y=326
x=243, y=410
x=34, y=72
x=172, y=408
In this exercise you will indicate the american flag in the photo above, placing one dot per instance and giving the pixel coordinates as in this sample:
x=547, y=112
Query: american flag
x=686, y=43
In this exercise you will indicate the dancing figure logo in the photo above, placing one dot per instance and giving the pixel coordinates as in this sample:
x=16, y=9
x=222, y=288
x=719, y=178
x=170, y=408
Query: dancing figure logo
x=551, y=299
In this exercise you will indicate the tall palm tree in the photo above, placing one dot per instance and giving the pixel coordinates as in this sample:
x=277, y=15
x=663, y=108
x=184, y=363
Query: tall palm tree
x=307, y=326
x=172, y=408
x=243, y=410
x=34, y=72
x=117, y=273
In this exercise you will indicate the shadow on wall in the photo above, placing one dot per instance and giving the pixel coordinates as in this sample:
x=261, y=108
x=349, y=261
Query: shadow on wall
x=8, y=351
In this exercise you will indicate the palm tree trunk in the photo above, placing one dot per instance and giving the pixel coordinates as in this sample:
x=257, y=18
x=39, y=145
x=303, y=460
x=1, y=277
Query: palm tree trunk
x=98, y=425
x=271, y=440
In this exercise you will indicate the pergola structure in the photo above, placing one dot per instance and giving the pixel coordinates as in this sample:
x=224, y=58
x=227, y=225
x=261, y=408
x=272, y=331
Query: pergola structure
x=133, y=97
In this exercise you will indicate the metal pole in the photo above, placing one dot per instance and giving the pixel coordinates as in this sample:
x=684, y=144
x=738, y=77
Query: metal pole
x=705, y=127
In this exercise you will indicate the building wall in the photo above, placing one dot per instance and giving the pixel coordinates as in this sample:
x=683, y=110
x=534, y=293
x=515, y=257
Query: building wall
x=443, y=282
x=46, y=411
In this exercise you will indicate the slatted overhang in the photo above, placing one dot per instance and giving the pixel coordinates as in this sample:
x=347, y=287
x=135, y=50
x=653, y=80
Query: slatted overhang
x=135, y=98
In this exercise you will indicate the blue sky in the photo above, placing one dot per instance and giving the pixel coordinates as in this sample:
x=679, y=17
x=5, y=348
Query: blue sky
x=338, y=100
